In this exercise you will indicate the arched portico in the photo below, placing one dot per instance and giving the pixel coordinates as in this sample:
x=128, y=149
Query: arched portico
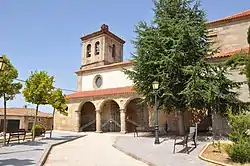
x=87, y=117
x=136, y=114
x=110, y=116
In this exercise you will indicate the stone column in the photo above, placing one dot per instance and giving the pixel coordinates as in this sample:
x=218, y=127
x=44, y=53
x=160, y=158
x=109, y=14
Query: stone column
x=98, y=121
x=78, y=120
x=123, y=120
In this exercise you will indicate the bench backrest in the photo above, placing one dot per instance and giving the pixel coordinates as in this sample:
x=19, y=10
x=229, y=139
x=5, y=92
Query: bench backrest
x=19, y=131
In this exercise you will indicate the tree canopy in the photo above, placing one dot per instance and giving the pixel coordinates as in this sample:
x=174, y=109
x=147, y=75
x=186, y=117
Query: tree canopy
x=38, y=88
x=58, y=101
x=7, y=81
x=172, y=50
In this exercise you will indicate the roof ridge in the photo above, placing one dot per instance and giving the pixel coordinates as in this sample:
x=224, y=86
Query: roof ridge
x=234, y=16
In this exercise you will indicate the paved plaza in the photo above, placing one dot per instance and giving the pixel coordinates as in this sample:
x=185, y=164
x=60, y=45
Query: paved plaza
x=160, y=155
x=92, y=150
x=95, y=149
x=30, y=153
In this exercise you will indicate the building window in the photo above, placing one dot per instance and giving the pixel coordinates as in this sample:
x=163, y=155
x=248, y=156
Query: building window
x=97, y=48
x=113, y=51
x=88, y=50
x=30, y=125
x=98, y=81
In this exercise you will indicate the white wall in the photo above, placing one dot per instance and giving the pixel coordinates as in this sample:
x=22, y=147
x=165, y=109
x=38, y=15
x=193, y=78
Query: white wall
x=243, y=91
x=112, y=78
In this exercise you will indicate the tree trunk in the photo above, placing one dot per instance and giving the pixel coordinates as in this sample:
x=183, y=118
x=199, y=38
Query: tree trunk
x=52, y=122
x=34, y=124
x=181, y=123
x=4, y=121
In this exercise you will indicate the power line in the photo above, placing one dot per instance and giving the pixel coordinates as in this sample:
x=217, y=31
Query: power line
x=57, y=88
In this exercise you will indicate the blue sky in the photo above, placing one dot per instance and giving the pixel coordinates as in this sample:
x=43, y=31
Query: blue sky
x=45, y=34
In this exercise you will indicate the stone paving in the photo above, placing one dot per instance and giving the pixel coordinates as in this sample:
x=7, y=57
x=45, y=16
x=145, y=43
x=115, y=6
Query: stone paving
x=29, y=153
x=160, y=155
x=92, y=150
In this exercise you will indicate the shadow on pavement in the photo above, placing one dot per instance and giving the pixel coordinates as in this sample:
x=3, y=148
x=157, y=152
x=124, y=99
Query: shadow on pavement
x=16, y=162
x=20, y=151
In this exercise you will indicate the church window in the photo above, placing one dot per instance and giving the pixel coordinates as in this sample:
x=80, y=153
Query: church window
x=98, y=81
x=88, y=50
x=97, y=48
x=113, y=51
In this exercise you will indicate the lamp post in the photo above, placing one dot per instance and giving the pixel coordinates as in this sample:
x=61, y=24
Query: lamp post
x=155, y=85
x=2, y=67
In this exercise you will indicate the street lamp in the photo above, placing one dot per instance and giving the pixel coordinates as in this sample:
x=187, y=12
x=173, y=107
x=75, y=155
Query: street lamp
x=155, y=85
x=2, y=64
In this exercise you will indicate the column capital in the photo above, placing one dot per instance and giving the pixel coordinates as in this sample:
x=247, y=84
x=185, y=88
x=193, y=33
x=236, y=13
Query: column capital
x=98, y=111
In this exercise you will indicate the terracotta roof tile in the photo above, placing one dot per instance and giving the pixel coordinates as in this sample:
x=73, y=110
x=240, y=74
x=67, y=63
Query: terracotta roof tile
x=230, y=53
x=24, y=112
x=102, y=92
x=235, y=16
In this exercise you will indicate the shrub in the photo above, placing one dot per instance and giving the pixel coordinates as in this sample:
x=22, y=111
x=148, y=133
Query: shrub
x=240, y=124
x=239, y=152
x=38, y=130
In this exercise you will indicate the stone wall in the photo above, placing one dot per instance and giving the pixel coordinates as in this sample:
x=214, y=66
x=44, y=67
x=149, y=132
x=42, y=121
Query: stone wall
x=70, y=122
x=230, y=35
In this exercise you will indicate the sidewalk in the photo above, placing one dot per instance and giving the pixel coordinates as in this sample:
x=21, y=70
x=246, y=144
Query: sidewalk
x=30, y=153
x=144, y=149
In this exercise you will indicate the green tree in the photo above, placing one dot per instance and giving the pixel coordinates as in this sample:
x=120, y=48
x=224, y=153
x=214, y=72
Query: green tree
x=39, y=87
x=9, y=88
x=171, y=50
x=58, y=101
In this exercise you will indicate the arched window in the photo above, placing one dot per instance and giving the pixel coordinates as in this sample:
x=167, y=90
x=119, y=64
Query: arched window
x=113, y=51
x=89, y=50
x=97, y=48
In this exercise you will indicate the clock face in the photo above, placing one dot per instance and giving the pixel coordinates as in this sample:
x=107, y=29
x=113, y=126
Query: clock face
x=98, y=81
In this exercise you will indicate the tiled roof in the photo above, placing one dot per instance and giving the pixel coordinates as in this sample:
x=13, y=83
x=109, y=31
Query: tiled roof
x=235, y=16
x=101, y=92
x=24, y=112
x=230, y=53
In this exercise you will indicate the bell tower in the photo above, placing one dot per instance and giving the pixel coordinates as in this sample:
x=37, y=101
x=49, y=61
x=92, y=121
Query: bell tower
x=101, y=48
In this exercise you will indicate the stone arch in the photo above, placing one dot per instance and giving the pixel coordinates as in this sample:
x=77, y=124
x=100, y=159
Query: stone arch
x=87, y=121
x=136, y=114
x=110, y=115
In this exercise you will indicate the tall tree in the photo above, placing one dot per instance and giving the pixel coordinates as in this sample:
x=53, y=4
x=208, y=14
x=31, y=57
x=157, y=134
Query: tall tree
x=171, y=50
x=39, y=87
x=58, y=102
x=9, y=88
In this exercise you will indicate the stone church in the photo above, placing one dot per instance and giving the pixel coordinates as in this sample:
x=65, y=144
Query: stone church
x=105, y=100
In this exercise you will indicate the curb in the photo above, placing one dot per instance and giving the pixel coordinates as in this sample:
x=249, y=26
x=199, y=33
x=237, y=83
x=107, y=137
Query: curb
x=209, y=160
x=45, y=155
x=132, y=155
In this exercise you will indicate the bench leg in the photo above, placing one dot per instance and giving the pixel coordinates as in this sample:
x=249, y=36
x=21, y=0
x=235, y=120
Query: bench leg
x=8, y=140
x=174, y=146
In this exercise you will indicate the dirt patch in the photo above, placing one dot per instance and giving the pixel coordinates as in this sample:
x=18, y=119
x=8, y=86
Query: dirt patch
x=213, y=153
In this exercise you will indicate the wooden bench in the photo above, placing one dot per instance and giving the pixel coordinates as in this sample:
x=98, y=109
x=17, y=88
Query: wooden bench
x=191, y=136
x=143, y=128
x=17, y=133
